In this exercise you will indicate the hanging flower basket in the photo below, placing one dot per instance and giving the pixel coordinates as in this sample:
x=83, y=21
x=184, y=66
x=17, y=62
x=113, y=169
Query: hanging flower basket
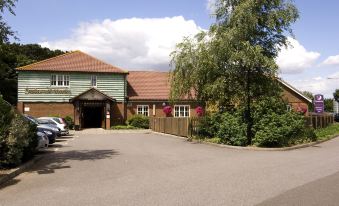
x=167, y=110
x=200, y=111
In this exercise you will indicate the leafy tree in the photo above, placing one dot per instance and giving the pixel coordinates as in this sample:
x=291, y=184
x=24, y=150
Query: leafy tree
x=17, y=55
x=5, y=29
x=233, y=64
x=328, y=103
x=336, y=95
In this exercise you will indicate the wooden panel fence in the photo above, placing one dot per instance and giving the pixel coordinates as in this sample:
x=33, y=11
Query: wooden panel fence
x=319, y=121
x=187, y=127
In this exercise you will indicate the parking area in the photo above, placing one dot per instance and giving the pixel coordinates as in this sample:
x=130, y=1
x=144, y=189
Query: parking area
x=152, y=169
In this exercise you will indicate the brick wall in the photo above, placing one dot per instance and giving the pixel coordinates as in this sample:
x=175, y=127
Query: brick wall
x=132, y=108
x=294, y=99
x=46, y=109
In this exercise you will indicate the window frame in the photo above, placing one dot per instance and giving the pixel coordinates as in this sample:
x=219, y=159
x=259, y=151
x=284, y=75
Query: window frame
x=143, y=106
x=179, y=110
x=57, y=78
x=96, y=80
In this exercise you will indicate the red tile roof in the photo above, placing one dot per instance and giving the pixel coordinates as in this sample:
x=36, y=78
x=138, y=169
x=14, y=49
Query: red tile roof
x=148, y=85
x=76, y=61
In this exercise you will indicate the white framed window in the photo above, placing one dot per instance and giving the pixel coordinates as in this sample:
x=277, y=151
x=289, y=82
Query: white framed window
x=53, y=80
x=181, y=111
x=93, y=81
x=143, y=110
x=289, y=108
x=59, y=80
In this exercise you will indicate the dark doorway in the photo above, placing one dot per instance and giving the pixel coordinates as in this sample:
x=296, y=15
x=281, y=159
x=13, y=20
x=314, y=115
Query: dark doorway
x=92, y=117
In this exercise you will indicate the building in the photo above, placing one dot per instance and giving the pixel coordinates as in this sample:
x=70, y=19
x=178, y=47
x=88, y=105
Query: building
x=97, y=94
x=94, y=93
x=335, y=107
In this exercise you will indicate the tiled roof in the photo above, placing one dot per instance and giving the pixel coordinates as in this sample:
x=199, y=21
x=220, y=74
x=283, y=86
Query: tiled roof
x=76, y=61
x=148, y=85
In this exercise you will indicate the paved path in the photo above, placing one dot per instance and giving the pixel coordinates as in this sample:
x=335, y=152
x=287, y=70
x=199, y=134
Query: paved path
x=152, y=169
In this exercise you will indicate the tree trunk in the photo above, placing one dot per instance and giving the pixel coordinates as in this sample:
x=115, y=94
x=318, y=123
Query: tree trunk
x=248, y=115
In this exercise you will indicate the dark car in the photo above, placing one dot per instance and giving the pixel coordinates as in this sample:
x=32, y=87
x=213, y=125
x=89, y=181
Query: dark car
x=50, y=124
x=336, y=117
x=49, y=131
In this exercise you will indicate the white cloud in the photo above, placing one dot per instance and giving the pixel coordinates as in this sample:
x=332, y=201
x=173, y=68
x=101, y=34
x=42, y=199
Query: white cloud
x=331, y=60
x=135, y=43
x=318, y=85
x=295, y=58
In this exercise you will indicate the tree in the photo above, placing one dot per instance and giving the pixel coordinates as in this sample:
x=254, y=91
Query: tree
x=336, y=95
x=311, y=97
x=328, y=103
x=5, y=29
x=234, y=63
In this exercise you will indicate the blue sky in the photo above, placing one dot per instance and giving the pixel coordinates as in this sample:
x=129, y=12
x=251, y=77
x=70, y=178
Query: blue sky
x=138, y=34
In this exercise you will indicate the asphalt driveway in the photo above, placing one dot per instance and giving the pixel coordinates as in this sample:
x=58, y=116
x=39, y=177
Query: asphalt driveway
x=152, y=169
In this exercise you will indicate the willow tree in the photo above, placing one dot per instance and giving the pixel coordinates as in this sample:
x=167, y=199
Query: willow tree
x=234, y=62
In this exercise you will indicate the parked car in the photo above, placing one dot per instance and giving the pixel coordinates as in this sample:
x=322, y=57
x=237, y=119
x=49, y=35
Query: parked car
x=51, y=132
x=42, y=140
x=59, y=122
x=50, y=124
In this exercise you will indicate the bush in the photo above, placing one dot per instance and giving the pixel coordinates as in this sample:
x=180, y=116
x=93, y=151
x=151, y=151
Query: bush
x=278, y=130
x=139, y=121
x=231, y=129
x=18, y=138
x=69, y=122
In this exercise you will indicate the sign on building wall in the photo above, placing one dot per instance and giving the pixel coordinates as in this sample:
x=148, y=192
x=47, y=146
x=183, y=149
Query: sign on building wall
x=318, y=103
x=47, y=91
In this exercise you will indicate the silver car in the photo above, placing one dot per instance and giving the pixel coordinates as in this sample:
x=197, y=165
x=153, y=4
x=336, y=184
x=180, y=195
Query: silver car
x=59, y=123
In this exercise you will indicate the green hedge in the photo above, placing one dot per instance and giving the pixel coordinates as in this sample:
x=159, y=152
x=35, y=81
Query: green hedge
x=273, y=126
x=18, y=140
x=139, y=121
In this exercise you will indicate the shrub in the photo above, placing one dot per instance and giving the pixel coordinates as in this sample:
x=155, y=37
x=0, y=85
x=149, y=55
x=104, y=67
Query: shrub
x=167, y=110
x=208, y=125
x=18, y=138
x=278, y=130
x=232, y=130
x=139, y=121
x=69, y=122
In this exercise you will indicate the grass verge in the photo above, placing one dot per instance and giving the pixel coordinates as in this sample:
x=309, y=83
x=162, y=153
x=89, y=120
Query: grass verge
x=328, y=132
x=118, y=127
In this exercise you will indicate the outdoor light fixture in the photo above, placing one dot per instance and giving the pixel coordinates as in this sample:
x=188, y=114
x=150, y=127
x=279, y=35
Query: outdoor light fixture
x=164, y=104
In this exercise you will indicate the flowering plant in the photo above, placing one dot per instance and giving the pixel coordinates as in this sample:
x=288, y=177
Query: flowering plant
x=199, y=110
x=167, y=110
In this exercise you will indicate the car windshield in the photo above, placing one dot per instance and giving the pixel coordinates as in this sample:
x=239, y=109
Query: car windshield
x=57, y=120
x=33, y=119
x=43, y=121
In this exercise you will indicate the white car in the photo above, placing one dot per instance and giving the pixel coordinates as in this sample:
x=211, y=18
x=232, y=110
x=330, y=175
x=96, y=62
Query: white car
x=59, y=123
x=42, y=140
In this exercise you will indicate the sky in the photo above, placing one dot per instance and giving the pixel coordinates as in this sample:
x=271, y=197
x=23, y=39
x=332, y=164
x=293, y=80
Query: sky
x=140, y=35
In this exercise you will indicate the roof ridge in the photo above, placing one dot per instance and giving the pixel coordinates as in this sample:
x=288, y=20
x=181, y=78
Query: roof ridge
x=122, y=70
x=49, y=59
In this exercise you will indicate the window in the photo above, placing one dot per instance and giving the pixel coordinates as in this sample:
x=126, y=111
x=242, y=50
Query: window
x=142, y=109
x=289, y=108
x=59, y=80
x=93, y=81
x=53, y=80
x=181, y=111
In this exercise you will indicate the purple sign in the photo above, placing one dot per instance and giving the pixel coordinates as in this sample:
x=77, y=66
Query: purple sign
x=318, y=103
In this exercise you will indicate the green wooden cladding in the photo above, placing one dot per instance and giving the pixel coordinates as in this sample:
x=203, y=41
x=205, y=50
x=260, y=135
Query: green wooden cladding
x=111, y=84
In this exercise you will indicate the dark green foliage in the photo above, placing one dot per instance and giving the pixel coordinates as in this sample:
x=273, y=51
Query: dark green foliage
x=18, y=138
x=69, y=122
x=328, y=102
x=336, y=95
x=278, y=130
x=13, y=56
x=232, y=129
x=139, y=121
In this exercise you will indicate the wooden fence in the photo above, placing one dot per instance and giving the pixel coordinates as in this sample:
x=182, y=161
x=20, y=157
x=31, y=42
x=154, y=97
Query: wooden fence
x=187, y=127
x=319, y=121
